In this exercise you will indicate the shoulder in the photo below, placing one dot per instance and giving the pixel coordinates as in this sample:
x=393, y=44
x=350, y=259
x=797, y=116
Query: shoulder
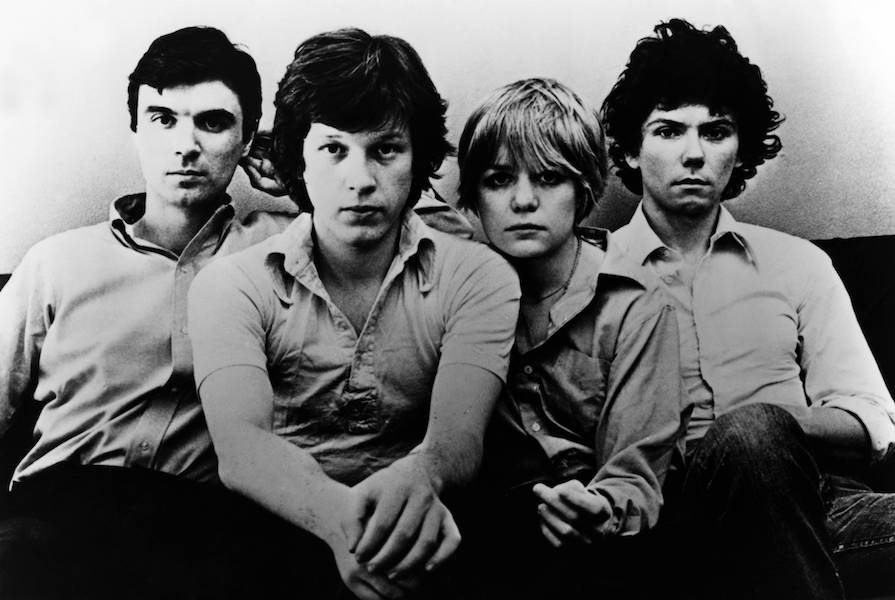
x=258, y=226
x=69, y=248
x=776, y=248
x=454, y=256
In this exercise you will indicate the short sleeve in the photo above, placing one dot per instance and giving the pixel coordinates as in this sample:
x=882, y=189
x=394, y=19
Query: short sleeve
x=482, y=300
x=226, y=320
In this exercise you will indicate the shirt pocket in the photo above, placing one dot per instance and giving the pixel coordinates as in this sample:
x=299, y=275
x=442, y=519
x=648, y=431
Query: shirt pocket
x=575, y=391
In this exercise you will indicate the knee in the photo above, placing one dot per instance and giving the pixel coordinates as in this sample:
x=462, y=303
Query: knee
x=756, y=442
x=754, y=431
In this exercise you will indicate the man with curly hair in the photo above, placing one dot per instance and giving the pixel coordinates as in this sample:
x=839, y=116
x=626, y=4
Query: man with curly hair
x=787, y=406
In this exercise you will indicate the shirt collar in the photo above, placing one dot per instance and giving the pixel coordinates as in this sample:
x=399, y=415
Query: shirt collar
x=591, y=271
x=640, y=241
x=126, y=211
x=292, y=253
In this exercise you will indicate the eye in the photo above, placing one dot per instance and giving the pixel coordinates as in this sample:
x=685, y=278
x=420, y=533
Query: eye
x=550, y=178
x=334, y=148
x=665, y=132
x=163, y=119
x=387, y=151
x=212, y=124
x=496, y=179
x=717, y=133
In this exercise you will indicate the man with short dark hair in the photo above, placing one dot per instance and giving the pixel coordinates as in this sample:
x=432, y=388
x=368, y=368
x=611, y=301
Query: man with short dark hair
x=119, y=495
x=348, y=388
x=788, y=405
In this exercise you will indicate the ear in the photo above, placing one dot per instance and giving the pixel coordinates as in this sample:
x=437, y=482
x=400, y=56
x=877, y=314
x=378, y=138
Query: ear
x=633, y=161
x=247, y=145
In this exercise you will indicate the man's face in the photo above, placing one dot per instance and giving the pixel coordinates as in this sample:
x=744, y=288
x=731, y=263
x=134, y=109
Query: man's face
x=358, y=183
x=686, y=158
x=190, y=140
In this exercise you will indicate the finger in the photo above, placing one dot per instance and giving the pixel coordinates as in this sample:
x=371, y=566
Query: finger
x=559, y=527
x=382, y=587
x=590, y=505
x=353, y=526
x=551, y=498
x=450, y=541
x=403, y=536
x=552, y=539
x=378, y=527
x=427, y=542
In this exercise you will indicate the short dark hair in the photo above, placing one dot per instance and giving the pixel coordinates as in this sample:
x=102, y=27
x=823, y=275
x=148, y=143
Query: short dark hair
x=543, y=124
x=353, y=81
x=683, y=65
x=195, y=55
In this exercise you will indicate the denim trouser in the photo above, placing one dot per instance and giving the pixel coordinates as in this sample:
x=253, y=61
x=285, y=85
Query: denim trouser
x=758, y=519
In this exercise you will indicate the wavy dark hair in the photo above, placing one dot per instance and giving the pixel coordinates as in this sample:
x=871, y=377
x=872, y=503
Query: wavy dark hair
x=195, y=55
x=353, y=81
x=683, y=65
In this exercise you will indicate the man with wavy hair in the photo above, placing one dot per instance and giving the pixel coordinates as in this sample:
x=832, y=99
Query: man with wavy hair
x=348, y=388
x=788, y=405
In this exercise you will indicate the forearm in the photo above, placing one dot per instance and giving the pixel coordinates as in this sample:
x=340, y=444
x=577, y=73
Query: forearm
x=281, y=477
x=451, y=462
x=837, y=438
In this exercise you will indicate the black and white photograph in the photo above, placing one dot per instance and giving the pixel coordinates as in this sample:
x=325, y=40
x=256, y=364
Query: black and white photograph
x=447, y=300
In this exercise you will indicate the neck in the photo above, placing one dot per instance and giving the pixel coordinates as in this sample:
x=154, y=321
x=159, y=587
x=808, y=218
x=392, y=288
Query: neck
x=343, y=265
x=541, y=275
x=170, y=226
x=687, y=234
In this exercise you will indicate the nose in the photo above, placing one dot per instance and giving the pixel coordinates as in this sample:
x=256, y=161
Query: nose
x=694, y=153
x=186, y=141
x=525, y=198
x=358, y=173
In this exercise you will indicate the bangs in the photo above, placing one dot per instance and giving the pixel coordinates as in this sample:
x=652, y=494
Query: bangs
x=535, y=142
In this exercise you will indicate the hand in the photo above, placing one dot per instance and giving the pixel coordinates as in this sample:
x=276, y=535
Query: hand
x=366, y=584
x=259, y=169
x=406, y=527
x=571, y=514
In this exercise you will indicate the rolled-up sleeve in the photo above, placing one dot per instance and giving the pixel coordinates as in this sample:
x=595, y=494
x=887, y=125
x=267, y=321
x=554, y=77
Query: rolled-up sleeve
x=640, y=423
x=837, y=366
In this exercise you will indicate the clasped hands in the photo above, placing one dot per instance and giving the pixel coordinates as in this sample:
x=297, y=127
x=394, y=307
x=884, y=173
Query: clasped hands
x=394, y=529
x=571, y=514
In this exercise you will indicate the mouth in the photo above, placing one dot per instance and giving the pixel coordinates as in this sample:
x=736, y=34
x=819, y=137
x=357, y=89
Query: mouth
x=362, y=210
x=526, y=227
x=691, y=181
x=187, y=173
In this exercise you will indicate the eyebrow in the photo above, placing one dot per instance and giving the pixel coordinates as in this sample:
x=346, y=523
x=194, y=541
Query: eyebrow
x=666, y=121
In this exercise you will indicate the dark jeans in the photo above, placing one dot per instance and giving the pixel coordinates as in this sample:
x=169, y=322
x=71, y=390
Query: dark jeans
x=756, y=518
x=106, y=532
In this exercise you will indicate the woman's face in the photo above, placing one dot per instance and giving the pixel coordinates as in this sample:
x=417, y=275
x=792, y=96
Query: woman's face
x=525, y=214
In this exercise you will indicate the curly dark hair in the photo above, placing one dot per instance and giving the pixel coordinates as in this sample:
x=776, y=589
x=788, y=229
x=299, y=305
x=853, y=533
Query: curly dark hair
x=194, y=55
x=353, y=81
x=683, y=65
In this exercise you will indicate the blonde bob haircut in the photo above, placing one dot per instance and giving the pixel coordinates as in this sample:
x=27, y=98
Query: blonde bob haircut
x=543, y=125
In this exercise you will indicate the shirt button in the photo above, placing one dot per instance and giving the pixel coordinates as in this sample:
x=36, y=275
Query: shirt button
x=527, y=369
x=144, y=446
x=174, y=389
x=536, y=427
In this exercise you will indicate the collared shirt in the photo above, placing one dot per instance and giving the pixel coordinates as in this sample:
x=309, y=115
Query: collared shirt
x=765, y=318
x=93, y=327
x=355, y=401
x=602, y=392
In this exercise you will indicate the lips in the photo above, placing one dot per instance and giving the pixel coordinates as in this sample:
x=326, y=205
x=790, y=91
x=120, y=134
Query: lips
x=526, y=227
x=187, y=173
x=691, y=181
